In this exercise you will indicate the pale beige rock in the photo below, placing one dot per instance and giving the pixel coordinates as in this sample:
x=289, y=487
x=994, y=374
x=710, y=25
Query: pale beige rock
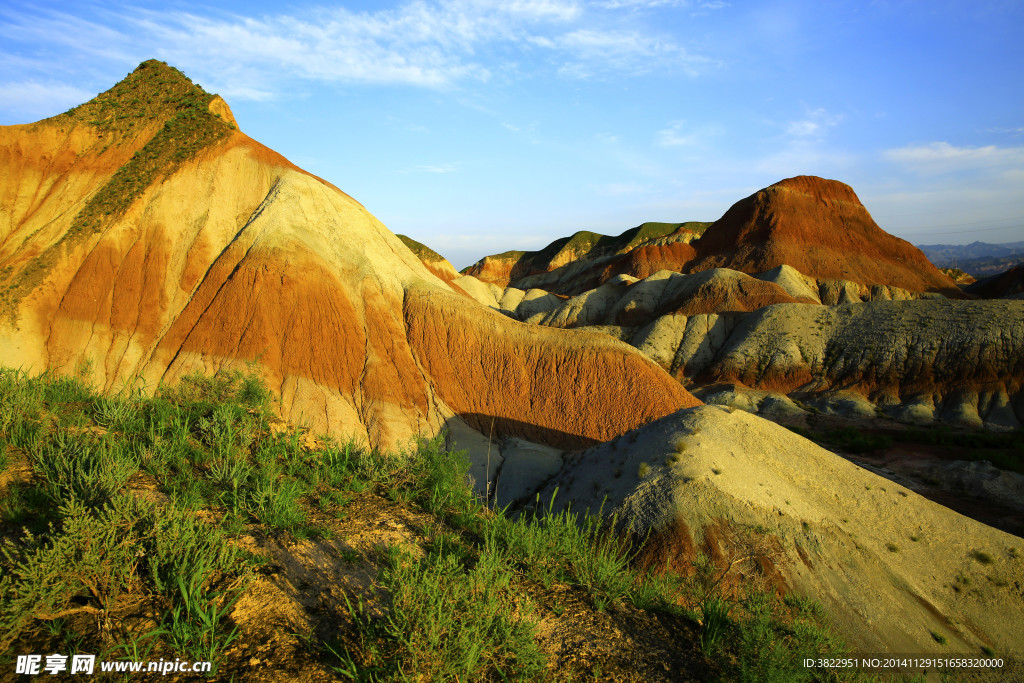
x=796, y=284
x=482, y=292
x=832, y=521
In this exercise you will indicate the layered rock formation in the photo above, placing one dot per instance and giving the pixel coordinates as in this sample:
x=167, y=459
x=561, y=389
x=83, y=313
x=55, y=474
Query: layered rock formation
x=838, y=346
x=571, y=265
x=820, y=228
x=145, y=235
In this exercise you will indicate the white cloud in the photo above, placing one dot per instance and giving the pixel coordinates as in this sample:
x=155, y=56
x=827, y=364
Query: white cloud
x=673, y=135
x=941, y=157
x=814, y=124
x=678, y=134
x=630, y=51
x=431, y=44
x=41, y=99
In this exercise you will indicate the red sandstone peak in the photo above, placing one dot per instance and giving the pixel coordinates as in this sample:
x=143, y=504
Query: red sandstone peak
x=819, y=227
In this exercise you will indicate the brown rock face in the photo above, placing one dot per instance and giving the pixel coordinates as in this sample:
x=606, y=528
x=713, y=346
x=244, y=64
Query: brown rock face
x=565, y=388
x=496, y=269
x=647, y=260
x=820, y=228
x=222, y=253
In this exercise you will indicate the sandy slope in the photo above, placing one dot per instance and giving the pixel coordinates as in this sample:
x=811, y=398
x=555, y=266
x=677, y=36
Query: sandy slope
x=728, y=481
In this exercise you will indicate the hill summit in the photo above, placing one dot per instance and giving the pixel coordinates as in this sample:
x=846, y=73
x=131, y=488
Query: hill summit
x=821, y=228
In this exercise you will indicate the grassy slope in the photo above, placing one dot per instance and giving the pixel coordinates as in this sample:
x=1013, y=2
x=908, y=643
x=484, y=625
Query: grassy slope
x=422, y=251
x=134, y=527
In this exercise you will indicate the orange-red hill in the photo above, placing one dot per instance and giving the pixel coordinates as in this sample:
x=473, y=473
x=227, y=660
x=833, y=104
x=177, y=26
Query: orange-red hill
x=819, y=227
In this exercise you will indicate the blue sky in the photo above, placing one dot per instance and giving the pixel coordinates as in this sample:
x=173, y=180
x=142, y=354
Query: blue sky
x=479, y=126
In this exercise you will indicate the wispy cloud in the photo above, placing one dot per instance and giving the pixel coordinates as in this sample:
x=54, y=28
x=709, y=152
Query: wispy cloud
x=941, y=157
x=814, y=124
x=424, y=44
x=32, y=96
x=641, y=4
x=673, y=135
x=592, y=51
x=680, y=133
x=1007, y=131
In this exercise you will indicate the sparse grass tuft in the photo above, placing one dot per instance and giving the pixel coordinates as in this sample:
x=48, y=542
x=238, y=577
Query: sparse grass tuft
x=643, y=470
x=892, y=547
x=938, y=638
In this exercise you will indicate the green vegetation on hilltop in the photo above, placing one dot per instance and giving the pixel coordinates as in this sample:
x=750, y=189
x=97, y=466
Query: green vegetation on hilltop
x=586, y=244
x=593, y=245
x=153, y=93
x=422, y=251
x=121, y=527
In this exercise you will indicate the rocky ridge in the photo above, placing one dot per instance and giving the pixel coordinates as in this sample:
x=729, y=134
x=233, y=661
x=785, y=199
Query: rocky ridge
x=853, y=349
x=561, y=263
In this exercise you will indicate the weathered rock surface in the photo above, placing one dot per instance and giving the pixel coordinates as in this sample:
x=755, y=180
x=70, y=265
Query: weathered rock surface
x=978, y=479
x=571, y=265
x=815, y=226
x=622, y=301
x=868, y=350
x=886, y=563
x=225, y=253
x=820, y=228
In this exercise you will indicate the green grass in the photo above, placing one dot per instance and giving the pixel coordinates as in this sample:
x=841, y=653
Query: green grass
x=81, y=549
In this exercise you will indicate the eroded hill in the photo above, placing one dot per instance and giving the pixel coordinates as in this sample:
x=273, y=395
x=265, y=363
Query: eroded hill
x=145, y=235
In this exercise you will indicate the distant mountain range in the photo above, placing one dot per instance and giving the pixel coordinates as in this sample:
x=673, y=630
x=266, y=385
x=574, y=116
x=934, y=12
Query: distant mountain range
x=976, y=258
